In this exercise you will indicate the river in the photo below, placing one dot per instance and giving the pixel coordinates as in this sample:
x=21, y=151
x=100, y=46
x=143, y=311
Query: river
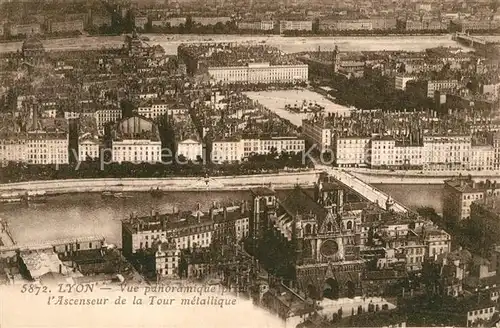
x=76, y=215
x=286, y=44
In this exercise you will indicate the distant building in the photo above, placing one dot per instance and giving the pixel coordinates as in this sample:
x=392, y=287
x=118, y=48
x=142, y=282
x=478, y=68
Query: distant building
x=258, y=25
x=210, y=20
x=286, y=25
x=460, y=193
x=259, y=73
x=401, y=80
x=140, y=22
x=107, y=115
x=65, y=26
x=24, y=29
x=439, y=85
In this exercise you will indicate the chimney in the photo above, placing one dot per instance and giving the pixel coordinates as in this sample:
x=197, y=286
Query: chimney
x=198, y=217
x=225, y=212
x=35, y=117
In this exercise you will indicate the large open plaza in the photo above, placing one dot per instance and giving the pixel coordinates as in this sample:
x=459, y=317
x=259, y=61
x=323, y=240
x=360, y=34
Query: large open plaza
x=277, y=100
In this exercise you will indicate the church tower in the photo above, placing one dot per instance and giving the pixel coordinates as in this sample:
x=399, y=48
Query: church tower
x=335, y=60
x=263, y=205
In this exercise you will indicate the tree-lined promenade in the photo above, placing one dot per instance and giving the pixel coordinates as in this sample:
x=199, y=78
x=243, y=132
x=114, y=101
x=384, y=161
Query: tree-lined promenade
x=258, y=164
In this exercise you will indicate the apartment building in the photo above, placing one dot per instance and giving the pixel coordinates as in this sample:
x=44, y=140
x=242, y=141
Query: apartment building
x=318, y=134
x=24, y=29
x=440, y=85
x=65, y=26
x=351, y=151
x=47, y=148
x=400, y=81
x=107, y=115
x=14, y=148
x=382, y=152
x=461, y=192
x=286, y=25
x=482, y=157
x=446, y=152
x=88, y=148
x=136, y=140
x=190, y=149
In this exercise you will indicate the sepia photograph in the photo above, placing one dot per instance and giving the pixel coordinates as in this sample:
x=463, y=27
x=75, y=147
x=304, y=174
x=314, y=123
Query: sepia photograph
x=249, y=163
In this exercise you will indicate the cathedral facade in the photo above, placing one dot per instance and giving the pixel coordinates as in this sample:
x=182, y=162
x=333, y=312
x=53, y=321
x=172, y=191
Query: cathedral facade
x=318, y=234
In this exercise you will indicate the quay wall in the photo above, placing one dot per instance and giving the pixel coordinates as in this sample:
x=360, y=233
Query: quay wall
x=283, y=180
x=425, y=178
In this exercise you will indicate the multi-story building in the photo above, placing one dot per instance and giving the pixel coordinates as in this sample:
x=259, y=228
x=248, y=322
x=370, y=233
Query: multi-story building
x=278, y=144
x=351, y=151
x=482, y=157
x=140, y=22
x=496, y=149
x=286, y=25
x=14, y=148
x=437, y=241
x=460, y=193
x=98, y=20
x=88, y=148
x=258, y=25
x=259, y=73
x=47, y=147
x=408, y=155
x=167, y=257
x=136, y=140
x=446, y=152
x=65, y=26
x=239, y=149
x=492, y=89
x=211, y=20
x=382, y=152
x=159, y=108
x=187, y=230
x=485, y=214
x=24, y=29
x=190, y=149
x=228, y=150
x=318, y=134
x=107, y=115
x=401, y=80
x=439, y=85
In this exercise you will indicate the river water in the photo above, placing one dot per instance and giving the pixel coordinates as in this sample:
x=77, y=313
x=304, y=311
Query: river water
x=287, y=44
x=76, y=215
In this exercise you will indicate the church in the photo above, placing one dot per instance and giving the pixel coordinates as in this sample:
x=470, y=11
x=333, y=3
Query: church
x=312, y=240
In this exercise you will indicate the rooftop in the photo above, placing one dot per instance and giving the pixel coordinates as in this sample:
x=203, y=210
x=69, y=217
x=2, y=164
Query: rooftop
x=468, y=185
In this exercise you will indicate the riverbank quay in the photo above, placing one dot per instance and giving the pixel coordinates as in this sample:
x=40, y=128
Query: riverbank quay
x=417, y=177
x=225, y=183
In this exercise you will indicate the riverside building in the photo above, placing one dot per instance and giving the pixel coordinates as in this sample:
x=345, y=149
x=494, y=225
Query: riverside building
x=136, y=140
x=232, y=63
x=461, y=192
